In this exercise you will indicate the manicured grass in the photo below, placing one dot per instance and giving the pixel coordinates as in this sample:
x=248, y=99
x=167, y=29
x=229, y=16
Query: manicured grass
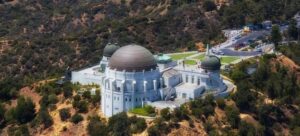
x=200, y=57
x=228, y=59
x=190, y=62
x=144, y=111
x=181, y=55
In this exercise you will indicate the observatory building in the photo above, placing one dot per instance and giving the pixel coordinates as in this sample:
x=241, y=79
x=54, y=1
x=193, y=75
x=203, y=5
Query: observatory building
x=131, y=76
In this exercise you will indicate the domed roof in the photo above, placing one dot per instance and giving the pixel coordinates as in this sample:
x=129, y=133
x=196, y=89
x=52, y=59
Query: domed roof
x=110, y=49
x=211, y=63
x=132, y=58
x=162, y=58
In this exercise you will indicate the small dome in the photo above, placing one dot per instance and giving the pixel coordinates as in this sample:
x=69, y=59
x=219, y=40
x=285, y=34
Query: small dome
x=162, y=58
x=110, y=49
x=211, y=63
x=132, y=58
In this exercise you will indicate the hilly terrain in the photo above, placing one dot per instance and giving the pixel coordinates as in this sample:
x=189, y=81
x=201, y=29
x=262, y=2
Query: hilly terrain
x=45, y=37
x=40, y=39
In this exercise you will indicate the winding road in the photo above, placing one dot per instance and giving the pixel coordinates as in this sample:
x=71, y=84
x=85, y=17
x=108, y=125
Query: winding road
x=226, y=47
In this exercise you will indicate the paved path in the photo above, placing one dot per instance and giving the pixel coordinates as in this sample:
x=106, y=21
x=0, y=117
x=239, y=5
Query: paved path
x=226, y=47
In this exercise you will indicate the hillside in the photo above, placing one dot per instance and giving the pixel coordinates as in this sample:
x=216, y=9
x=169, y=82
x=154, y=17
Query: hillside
x=48, y=36
x=40, y=39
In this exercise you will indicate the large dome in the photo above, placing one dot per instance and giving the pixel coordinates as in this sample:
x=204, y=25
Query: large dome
x=132, y=58
x=211, y=63
x=110, y=49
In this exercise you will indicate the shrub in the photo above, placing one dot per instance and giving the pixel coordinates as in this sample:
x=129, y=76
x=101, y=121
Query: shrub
x=76, y=118
x=220, y=103
x=209, y=5
x=233, y=116
x=68, y=92
x=86, y=95
x=165, y=114
x=82, y=106
x=18, y=131
x=24, y=111
x=44, y=118
x=149, y=109
x=119, y=124
x=138, y=125
x=64, y=114
x=153, y=131
x=246, y=129
x=96, y=127
x=77, y=98
x=52, y=99
x=2, y=113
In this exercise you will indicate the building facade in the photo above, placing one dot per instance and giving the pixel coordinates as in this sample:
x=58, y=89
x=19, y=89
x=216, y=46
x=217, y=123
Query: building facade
x=131, y=76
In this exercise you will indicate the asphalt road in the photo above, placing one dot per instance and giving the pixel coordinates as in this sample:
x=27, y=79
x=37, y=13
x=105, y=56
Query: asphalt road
x=230, y=52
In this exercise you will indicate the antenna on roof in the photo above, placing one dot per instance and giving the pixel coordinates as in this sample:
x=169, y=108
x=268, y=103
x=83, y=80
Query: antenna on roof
x=207, y=49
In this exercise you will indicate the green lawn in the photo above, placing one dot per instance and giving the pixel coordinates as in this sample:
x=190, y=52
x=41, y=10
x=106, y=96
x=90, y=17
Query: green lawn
x=181, y=55
x=144, y=111
x=224, y=59
x=200, y=57
x=228, y=59
x=190, y=62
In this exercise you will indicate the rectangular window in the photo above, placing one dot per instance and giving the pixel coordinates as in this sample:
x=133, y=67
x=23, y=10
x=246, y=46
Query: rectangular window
x=198, y=81
x=186, y=78
x=192, y=79
x=184, y=95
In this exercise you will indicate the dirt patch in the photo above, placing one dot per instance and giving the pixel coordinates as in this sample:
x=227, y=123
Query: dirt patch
x=290, y=64
x=186, y=130
x=30, y=93
x=249, y=119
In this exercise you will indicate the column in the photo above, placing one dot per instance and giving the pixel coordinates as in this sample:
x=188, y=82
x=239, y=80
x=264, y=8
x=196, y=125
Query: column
x=111, y=96
x=123, y=95
x=161, y=83
x=133, y=93
x=145, y=92
x=154, y=85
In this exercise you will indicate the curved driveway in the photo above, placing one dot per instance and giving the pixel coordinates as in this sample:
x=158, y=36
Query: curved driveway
x=226, y=47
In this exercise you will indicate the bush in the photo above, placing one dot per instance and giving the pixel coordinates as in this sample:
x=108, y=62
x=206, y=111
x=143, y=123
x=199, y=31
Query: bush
x=44, y=118
x=18, y=131
x=208, y=110
x=24, y=111
x=76, y=118
x=77, y=98
x=86, y=95
x=138, y=125
x=165, y=114
x=233, y=116
x=96, y=98
x=209, y=5
x=149, y=109
x=246, y=129
x=52, y=99
x=153, y=131
x=159, y=128
x=2, y=113
x=68, y=92
x=119, y=124
x=220, y=103
x=96, y=127
x=82, y=106
x=64, y=114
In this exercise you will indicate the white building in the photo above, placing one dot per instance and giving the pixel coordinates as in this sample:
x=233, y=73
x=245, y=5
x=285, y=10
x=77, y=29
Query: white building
x=131, y=77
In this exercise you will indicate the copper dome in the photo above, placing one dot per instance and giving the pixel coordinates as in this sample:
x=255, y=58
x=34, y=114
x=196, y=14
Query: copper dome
x=132, y=58
x=211, y=63
x=110, y=49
